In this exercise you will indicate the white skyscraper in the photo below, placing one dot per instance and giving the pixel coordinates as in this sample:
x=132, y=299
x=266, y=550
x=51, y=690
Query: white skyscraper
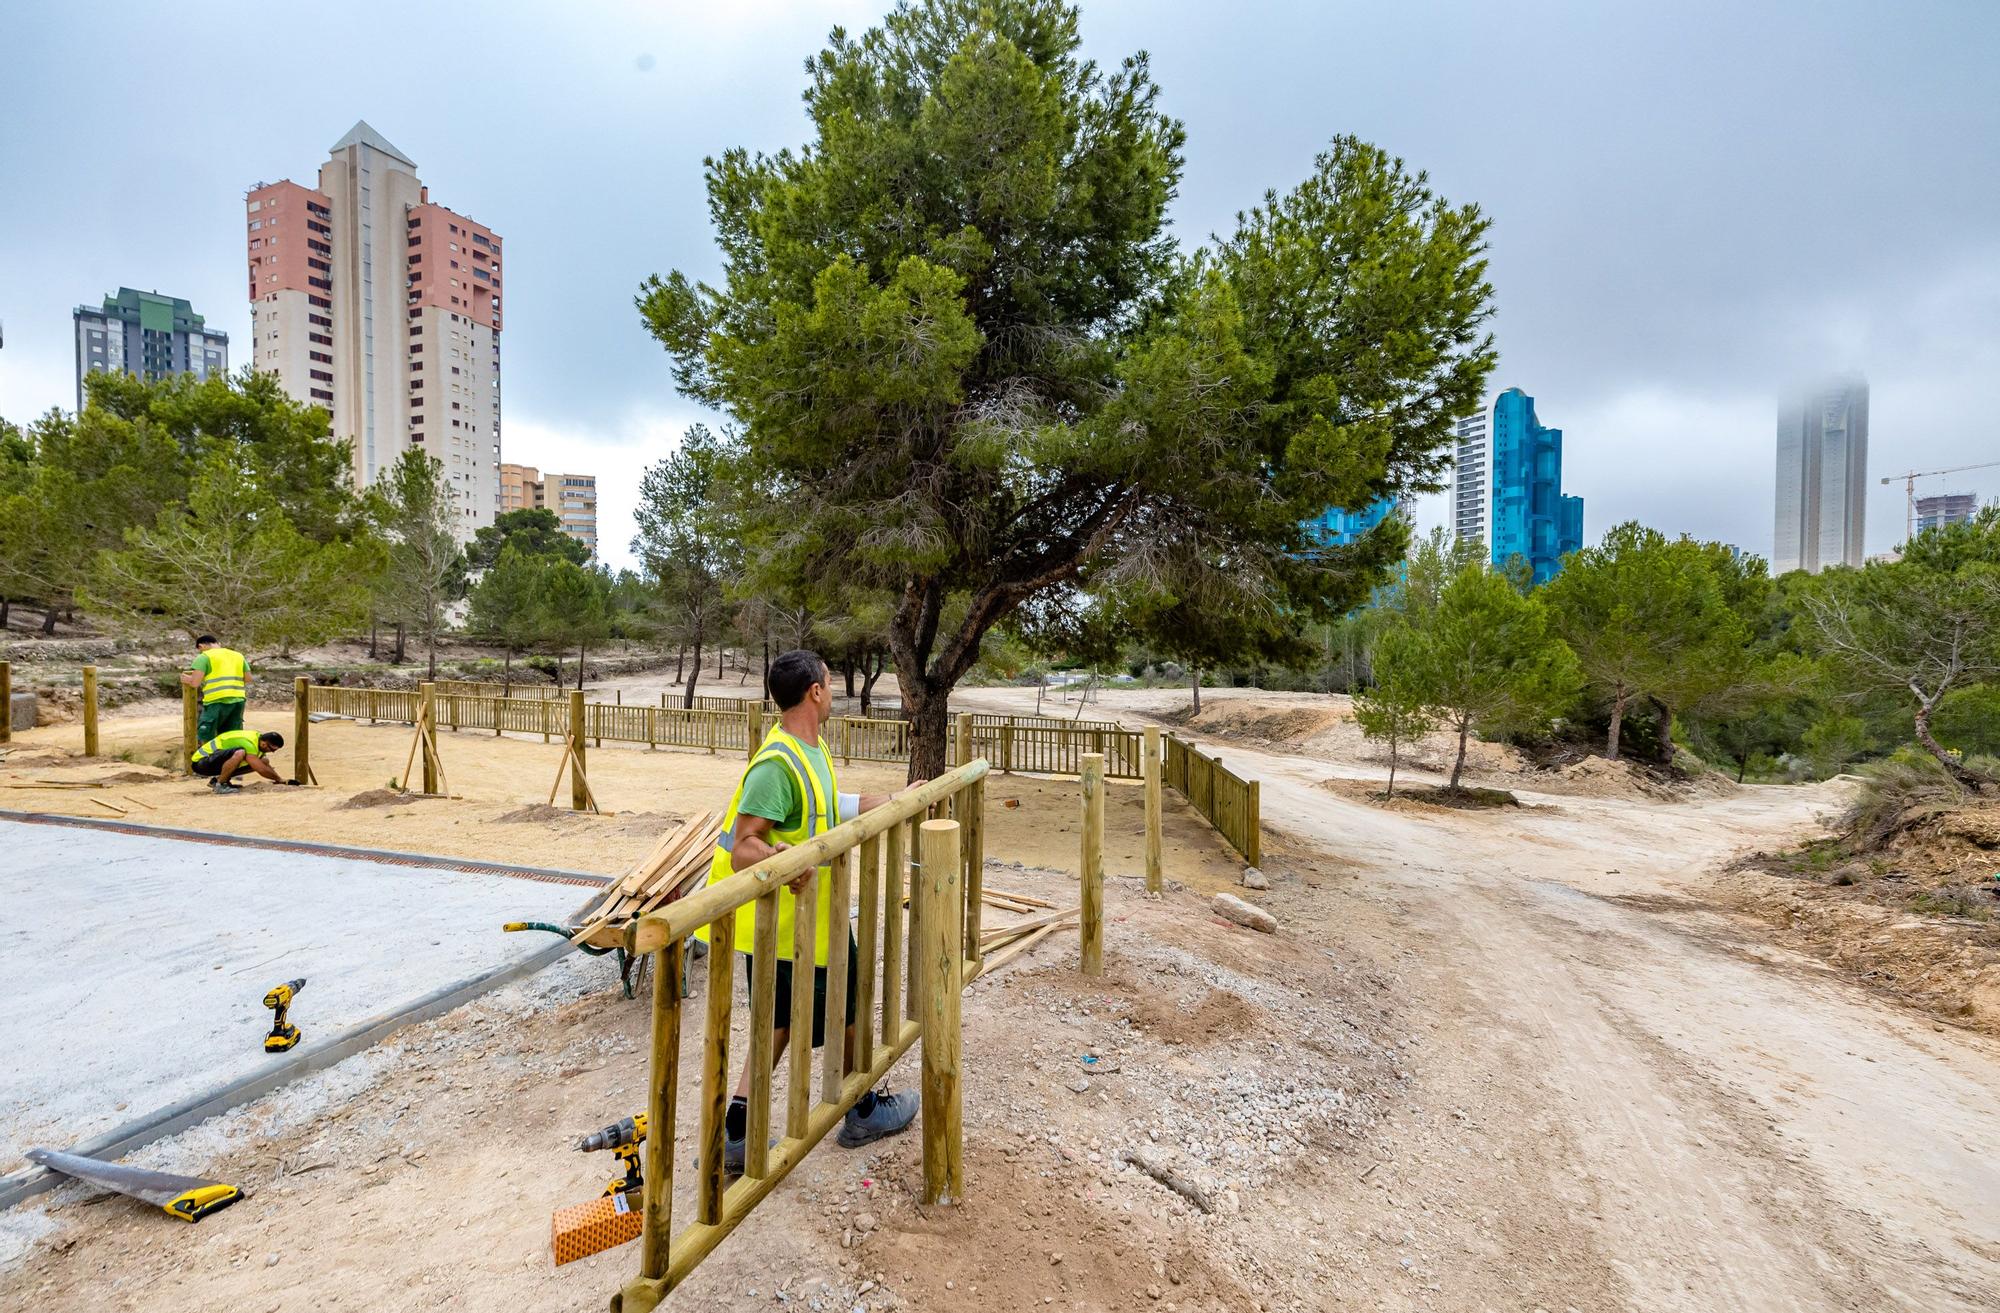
x=1822, y=478
x=1470, y=491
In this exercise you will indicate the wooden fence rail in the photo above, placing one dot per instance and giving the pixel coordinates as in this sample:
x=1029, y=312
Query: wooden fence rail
x=873, y=861
x=493, y=688
x=1229, y=802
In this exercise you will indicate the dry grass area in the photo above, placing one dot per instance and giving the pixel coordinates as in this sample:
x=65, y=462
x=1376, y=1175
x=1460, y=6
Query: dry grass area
x=1910, y=903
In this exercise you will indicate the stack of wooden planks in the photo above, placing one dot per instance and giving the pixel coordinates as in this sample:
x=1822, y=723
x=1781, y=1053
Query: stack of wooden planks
x=678, y=863
x=999, y=945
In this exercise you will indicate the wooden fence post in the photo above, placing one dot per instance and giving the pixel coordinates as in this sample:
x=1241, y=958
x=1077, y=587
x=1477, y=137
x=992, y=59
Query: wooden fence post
x=964, y=738
x=579, y=793
x=1150, y=769
x=753, y=724
x=1092, y=931
x=652, y=728
x=427, y=727
x=190, y=726
x=656, y=1222
x=943, y=956
x=1007, y=747
x=89, y=711
x=1254, y=824
x=301, y=729
x=545, y=720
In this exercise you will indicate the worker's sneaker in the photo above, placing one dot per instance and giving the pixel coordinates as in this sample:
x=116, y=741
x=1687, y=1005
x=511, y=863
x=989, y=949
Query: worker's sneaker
x=890, y=1115
x=217, y=786
x=735, y=1152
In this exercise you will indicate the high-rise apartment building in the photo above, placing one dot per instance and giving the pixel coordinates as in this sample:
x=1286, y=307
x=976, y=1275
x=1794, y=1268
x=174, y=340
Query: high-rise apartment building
x=520, y=488
x=1946, y=508
x=1529, y=516
x=146, y=334
x=1822, y=478
x=573, y=498
x=1471, y=491
x=384, y=307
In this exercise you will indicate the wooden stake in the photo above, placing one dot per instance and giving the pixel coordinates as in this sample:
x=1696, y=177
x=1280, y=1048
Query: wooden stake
x=119, y=811
x=1151, y=771
x=943, y=901
x=301, y=729
x=136, y=803
x=90, y=711
x=1093, y=864
x=190, y=727
x=427, y=730
x=579, y=792
x=715, y=1070
x=1014, y=950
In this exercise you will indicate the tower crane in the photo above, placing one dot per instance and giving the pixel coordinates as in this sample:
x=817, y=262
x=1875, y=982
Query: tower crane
x=1910, y=490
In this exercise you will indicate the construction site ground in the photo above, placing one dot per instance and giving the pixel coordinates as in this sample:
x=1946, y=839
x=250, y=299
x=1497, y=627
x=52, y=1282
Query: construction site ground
x=1511, y=1059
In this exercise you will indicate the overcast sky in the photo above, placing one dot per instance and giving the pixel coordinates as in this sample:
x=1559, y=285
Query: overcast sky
x=1693, y=204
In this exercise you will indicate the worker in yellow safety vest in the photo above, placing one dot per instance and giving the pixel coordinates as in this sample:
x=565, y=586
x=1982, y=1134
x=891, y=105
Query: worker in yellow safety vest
x=233, y=750
x=223, y=676
x=788, y=795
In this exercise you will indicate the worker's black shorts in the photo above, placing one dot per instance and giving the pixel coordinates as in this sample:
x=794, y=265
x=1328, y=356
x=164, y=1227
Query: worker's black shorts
x=781, y=1003
x=212, y=763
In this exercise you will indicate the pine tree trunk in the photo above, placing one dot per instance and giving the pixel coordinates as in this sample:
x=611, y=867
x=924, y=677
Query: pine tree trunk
x=579, y=667
x=1195, y=682
x=846, y=671
x=1742, y=764
x=1938, y=750
x=767, y=665
x=680, y=663
x=1392, y=769
x=402, y=650
x=49, y=620
x=871, y=672
x=1617, y=724
x=928, y=710
x=374, y=630
x=694, y=673
x=1458, y=766
x=507, y=673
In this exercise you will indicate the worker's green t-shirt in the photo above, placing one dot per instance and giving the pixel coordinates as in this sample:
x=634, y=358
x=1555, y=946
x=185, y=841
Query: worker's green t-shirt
x=769, y=790
x=200, y=664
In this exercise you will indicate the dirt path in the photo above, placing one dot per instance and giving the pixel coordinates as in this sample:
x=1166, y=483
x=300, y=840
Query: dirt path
x=1720, y=1123
x=1509, y=1060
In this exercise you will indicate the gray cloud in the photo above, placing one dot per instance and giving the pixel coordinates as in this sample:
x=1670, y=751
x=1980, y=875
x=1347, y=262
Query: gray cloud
x=1693, y=204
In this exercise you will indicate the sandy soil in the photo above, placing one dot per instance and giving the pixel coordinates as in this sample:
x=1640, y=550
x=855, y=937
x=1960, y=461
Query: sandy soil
x=1509, y=1059
x=500, y=786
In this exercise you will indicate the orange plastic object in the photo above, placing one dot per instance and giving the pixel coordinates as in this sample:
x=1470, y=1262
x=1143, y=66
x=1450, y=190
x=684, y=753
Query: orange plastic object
x=580, y=1230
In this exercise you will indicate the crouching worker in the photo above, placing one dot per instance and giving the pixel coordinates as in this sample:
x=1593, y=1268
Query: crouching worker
x=233, y=751
x=788, y=796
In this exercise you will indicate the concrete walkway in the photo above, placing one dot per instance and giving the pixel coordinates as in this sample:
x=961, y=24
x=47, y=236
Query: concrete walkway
x=133, y=968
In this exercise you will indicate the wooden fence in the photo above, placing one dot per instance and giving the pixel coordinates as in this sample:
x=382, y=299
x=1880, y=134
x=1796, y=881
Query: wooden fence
x=1227, y=800
x=1040, y=745
x=495, y=689
x=910, y=966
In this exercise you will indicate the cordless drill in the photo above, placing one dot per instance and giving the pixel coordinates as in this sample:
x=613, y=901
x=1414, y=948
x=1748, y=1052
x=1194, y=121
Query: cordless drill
x=283, y=1034
x=623, y=1138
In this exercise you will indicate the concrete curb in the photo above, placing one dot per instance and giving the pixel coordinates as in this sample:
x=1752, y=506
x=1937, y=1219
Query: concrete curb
x=317, y=1057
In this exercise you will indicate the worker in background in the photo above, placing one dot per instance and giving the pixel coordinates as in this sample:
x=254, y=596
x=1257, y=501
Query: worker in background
x=223, y=676
x=236, y=750
x=788, y=796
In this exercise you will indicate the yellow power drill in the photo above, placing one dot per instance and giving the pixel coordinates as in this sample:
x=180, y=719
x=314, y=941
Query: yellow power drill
x=623, y=1138
x=283, y=1034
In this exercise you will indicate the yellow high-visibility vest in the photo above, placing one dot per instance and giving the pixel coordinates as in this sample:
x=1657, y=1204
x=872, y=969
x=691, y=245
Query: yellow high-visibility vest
x=821, y=813
x=228, y=677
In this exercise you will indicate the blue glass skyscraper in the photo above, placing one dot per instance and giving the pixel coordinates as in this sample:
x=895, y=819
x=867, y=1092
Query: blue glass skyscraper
x=1336, y=527
x=1531, y=518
